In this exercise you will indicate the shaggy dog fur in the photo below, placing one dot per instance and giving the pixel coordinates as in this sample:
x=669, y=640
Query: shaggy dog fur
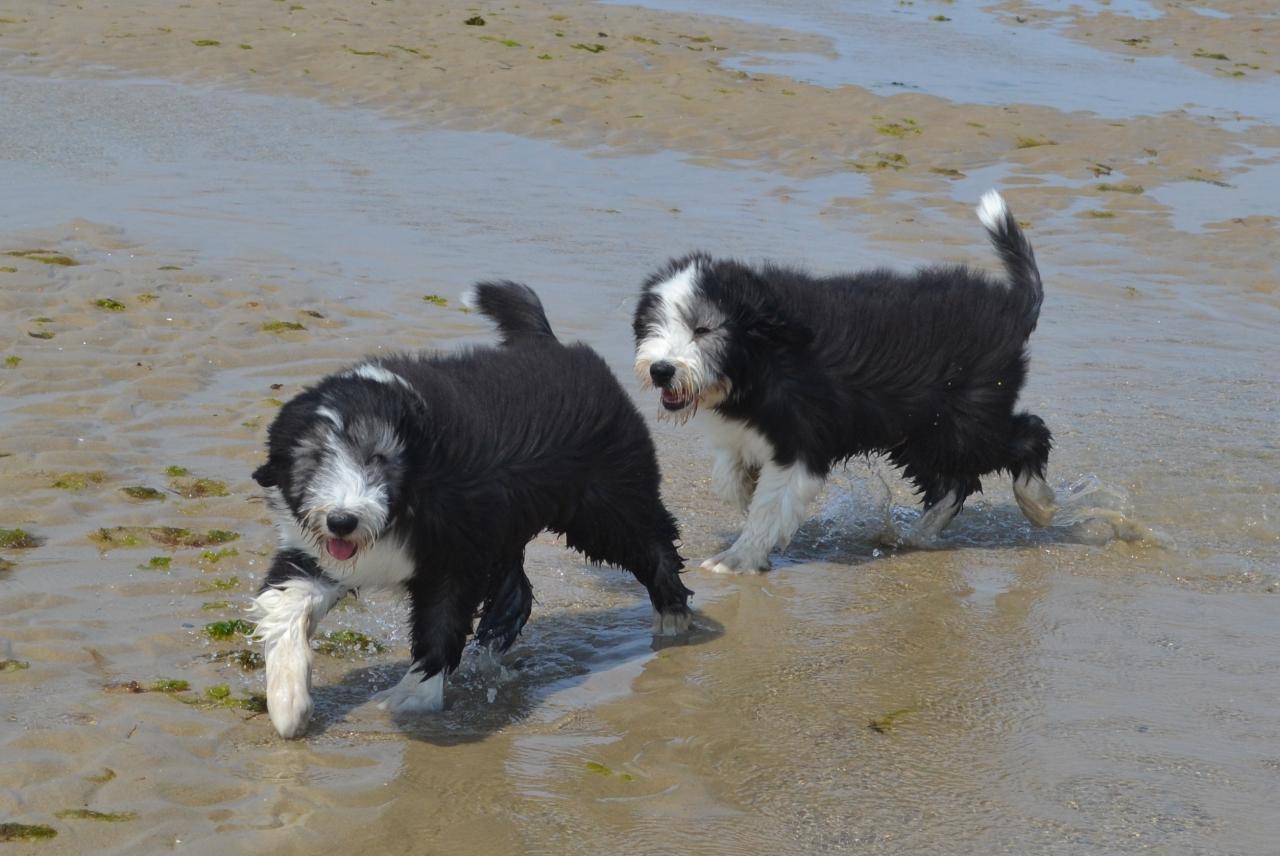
x=798, y=373
x=431, y=474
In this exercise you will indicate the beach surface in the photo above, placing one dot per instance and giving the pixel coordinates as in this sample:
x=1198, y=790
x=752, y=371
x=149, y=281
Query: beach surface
x=209, y=206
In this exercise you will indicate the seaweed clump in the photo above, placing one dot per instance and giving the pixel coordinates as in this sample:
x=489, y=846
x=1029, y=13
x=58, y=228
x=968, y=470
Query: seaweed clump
x=348, y=644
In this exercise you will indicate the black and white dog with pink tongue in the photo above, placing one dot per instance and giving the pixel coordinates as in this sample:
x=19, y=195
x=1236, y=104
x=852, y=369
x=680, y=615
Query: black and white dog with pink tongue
x=796, y=373
x=431, y=473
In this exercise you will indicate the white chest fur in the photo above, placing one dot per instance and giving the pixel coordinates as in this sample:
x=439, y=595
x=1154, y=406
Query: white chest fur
x=386, y=564
x=740, y=440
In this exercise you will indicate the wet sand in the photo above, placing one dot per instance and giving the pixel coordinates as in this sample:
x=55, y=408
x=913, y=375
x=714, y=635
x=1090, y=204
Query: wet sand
x=1023, y=691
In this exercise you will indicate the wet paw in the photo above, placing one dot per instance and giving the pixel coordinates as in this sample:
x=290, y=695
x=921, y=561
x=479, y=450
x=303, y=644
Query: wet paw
x=289, y=706
x=733, y=562
x=413, y=695
x=1036, y=499
x=671, y=623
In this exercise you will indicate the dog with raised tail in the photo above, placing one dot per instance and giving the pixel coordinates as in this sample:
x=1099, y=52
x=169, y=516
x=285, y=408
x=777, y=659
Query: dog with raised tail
x=796, y=373
x=431, y=474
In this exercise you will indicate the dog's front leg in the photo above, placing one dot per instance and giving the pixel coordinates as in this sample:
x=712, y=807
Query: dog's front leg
x=778, y=507
x=731, y=478
x=294, y=598
x=441, y=619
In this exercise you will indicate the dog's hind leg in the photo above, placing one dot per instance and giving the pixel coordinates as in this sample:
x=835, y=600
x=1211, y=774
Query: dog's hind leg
x=778, y=507
x=507, y=607
x=603, y=536
x=295, y=596
x=943, y=499
x=1030, y=442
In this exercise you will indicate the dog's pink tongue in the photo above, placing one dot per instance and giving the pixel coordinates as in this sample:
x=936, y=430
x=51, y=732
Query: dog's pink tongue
x=341, y=549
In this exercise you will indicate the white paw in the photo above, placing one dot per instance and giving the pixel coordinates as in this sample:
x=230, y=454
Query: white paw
x=413, y=695
x=289, y=705
x=1036, y=499
x=671, y=623
x=735, y=562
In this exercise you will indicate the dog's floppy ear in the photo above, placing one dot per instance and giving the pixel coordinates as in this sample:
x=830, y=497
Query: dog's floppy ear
x=763, y=319
x=265, y=475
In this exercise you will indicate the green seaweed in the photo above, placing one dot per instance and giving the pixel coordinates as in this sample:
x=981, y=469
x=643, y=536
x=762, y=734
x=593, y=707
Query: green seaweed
x=109, y=304
x=43, y=319
x=886, y=723
x=213, y=557
x=199, y=488
x=102, y=778
x=939, y=18
x=1099, y=169
x=245, y=47
x=282, y=326
x=13, y=666
x=174, y=471
x=699, y=39
x=223, y=630
x=1033, y=142
x=8, y=269
x=78, y=481
x=246, y=659
x=1135, y=41
x=12, y=362
x=40, y=334
x=348, y=644
x=511, y=43
x=148, y=297
x=141, y=493
x=1098, y=214
x=25, y=832
x=169, y=267
x=166, y=536
x=366, y=53
x=48, y=257
x=1204, y=54
x=206, y=43
x=157, y=563
x=898, y=129
x=90, y=814
x=436, y=300
x=17, y=539
x=413, y=51
x=545, y=56
x=1207, y=178
x=220, y=692
x=644, y=41
x=170, y=685
x=215, y=605
x=881, y=160
x=474, y=21
x=596, y=767
x=6, y=565
x=948, y=172
x=1107, y=187
x=213, y=586
x=591, y=48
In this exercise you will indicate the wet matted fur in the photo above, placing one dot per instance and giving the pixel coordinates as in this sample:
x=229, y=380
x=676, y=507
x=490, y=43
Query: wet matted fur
x=432, y=473
x=797, y=372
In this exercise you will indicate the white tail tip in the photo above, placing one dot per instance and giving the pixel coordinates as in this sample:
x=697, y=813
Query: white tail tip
x=468, y=299
x=992, y=211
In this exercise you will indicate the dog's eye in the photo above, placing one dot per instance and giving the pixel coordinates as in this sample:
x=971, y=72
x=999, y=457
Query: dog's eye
x=701, y=331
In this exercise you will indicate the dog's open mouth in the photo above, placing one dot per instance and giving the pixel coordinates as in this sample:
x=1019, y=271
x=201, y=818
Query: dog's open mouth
x=340, y=548
x=673, y=400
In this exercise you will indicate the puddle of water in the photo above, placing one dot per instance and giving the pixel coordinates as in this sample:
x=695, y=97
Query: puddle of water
x=976, y=58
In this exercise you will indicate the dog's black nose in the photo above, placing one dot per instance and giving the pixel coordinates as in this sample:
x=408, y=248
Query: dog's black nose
x=662, y=372
x=341, y=523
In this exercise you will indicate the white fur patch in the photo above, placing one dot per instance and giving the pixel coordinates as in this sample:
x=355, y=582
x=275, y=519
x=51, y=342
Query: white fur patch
x=1035, y=498
x=925, y=532
x=992, y=211
x=378, y=374
x=342, y=483
x=413, y=695
x=739, y=453
x=778, y=507
x=332, y=415
x=287, y=617
x=469, y=299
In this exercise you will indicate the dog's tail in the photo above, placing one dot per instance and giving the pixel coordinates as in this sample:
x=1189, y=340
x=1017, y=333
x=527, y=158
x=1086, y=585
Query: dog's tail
x=1015, y=251
x=515, y=308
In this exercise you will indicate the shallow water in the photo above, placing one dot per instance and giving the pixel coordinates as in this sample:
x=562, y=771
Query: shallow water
x=978, y=57
x=1032, y=691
